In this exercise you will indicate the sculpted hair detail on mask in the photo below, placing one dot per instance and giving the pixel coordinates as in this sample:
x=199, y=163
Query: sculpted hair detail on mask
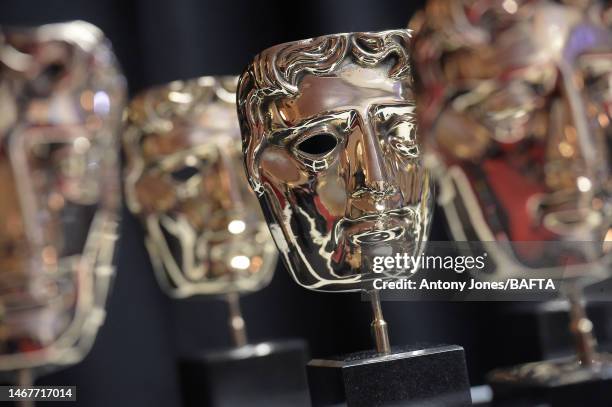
x=448, y=31
x=277, y=71
x=154, y=113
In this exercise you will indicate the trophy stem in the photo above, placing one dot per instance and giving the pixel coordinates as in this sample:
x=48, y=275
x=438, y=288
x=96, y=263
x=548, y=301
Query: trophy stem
x=25, y=379
x=379, y=325
x=581, y=326
x=236, y=321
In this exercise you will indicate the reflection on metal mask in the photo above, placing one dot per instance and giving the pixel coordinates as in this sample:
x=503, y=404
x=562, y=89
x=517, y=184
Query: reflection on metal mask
x=184, y=180
x=515, y=103
x=62, y=96
x=329, y=137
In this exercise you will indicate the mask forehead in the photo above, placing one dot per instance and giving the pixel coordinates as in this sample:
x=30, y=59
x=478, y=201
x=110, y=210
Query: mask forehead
x=187, y=138
x=353, y=88
x=182, y=115
x=559, y=34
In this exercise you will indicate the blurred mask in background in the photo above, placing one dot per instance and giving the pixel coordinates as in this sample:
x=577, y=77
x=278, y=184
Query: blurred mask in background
x=185, y=181
x=329, y=135
x=515, y=103
x=62, y=97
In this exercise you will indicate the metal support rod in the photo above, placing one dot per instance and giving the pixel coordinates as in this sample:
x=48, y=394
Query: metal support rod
x=581, y=326
x=236, y=322
x=25, y=379
x=379, y=325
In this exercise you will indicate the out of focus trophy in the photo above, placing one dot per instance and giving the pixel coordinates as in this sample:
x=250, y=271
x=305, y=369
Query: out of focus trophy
x=515, y=103
x=205, y=234
x=329, y=141
x=61, y=98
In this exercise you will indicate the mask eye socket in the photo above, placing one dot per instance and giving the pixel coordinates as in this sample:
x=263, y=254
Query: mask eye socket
x=185, y=173
x=318, y=144
x=44, y=83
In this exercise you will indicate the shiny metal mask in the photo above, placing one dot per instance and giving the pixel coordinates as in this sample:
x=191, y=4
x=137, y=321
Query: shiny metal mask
x=329, y=138
x=185, y=181
x=62, y=96
x=515, y=103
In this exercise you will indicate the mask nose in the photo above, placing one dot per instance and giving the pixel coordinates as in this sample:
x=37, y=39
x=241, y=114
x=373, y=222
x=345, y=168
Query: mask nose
x=577, y=151
x=577, y=162
x=229, y=183
x=370, y=185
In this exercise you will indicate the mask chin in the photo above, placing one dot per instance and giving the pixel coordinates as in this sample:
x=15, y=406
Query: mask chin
x=55, y=316
x=467, y=223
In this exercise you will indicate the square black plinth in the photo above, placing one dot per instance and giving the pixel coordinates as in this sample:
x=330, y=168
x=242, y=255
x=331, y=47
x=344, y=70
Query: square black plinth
x=266, y=374
x=590, y=387
x=408, y=376
x=545, y=332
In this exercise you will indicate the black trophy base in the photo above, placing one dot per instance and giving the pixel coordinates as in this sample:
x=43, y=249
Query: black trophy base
x=544, y=332
x=266, y=374
x=555, y=383
x=408, y=376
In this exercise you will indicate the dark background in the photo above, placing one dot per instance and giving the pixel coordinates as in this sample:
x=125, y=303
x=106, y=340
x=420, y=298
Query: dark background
x=133, y=360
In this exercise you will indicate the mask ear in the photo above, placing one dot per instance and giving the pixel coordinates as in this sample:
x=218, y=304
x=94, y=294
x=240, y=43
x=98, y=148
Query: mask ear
x=133, y=166
x=154, y=194
x=248, y=105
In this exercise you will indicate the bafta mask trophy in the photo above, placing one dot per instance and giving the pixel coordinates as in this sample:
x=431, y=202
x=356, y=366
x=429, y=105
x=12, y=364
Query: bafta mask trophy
x=329, y=141
x=62, y=97
x=514, y=108
x=205, y=233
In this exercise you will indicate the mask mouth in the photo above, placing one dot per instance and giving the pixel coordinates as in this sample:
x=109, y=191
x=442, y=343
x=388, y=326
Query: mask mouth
x=25, y=291
x=570, y=213
x=39, y=308
x=573, y=221
x=211, y=254
x=377, y=228
x=377, y=236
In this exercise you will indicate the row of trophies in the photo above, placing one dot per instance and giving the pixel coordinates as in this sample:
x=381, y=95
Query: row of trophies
x=513, y=101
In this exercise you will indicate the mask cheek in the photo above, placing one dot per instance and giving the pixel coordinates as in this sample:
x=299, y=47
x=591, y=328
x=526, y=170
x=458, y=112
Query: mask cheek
x=155, y=194
x=281, y=168
x=461, y=137
x=331, y=189
x=197, y=214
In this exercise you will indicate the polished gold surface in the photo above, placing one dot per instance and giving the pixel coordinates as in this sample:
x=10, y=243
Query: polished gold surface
x=62, y=96
x=185, y=181
x=515, y=103
x=329, y=138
